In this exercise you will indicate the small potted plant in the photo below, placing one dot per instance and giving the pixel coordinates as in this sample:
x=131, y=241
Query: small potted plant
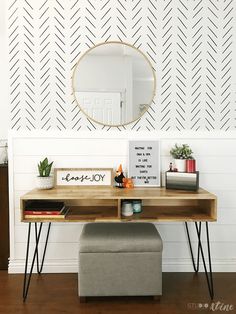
x=44, y=180
x=181, y=153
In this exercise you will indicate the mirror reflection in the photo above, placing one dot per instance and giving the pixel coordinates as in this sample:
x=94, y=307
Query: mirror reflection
x=114, y=83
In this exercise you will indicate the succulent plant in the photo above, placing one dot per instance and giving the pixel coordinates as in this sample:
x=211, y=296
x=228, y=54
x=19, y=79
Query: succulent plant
x=181, y=152
x=44, y=168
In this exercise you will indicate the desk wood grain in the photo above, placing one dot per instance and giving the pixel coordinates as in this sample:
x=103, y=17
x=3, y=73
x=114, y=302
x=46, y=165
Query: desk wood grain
x=104, y=204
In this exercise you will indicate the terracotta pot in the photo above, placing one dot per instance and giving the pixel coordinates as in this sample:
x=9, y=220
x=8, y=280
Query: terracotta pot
x=190, y=165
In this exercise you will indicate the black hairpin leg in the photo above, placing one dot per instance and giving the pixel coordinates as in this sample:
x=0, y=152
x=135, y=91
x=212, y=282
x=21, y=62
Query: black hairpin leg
x=209, y=277
x=27, y=278
x=39, y=270
x=195, y=267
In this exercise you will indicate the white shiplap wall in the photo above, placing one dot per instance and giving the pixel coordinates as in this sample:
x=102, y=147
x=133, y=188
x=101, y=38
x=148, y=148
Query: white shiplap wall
x=215, y=154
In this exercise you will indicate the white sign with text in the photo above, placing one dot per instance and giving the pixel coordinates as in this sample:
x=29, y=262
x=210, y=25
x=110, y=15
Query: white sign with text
x=83, y=177
x=144, y=162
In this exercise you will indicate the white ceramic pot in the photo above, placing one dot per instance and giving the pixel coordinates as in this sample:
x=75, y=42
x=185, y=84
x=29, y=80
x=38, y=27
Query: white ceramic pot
x=180, y=164
x=127, y=209
x=44, y=183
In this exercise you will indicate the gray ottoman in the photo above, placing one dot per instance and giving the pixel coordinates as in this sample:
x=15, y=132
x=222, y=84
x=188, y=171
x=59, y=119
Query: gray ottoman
x=120, y=259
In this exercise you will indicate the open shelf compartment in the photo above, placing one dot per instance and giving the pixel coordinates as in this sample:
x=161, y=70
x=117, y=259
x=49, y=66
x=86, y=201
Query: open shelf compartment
x=175, y=210
x=83, y=210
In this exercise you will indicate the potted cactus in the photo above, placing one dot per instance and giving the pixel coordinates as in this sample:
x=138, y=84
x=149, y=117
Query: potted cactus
x=44, y=180
x=181, y=153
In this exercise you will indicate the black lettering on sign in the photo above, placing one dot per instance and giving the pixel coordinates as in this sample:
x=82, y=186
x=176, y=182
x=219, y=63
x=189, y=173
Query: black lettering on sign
x=83, y=178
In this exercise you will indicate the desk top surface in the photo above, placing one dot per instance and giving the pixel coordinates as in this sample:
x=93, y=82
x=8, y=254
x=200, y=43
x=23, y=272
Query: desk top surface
x=116, y=193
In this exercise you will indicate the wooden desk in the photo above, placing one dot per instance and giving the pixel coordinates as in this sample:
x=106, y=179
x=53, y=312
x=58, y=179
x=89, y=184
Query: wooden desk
x=104, y=204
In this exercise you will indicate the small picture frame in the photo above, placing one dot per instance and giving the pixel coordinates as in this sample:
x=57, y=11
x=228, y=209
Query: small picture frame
x=77, y=177
x=144, y=163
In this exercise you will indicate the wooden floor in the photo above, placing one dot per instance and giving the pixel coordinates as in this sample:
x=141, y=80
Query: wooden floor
x=57, y=293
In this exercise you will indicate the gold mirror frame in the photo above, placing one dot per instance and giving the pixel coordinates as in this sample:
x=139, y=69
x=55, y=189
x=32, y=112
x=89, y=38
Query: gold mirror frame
x=153, y=73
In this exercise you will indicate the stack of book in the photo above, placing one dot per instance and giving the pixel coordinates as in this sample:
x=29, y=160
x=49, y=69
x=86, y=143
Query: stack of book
x=45, y=209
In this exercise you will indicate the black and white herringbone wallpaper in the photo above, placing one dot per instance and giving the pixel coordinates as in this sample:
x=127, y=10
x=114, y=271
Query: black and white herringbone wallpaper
x=189, y=43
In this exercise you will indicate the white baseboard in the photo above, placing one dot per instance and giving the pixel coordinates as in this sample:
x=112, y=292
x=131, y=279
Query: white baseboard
x=169, y=265
x=185, y=265
x=52, y=266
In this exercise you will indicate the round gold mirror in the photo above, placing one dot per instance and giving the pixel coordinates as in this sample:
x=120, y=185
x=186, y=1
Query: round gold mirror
x=114, y=83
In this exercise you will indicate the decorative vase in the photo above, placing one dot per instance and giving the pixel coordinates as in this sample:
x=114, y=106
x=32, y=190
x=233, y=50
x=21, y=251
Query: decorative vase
x=180, y=164
x=137, y=206
x=127, y=208
x=44, y=183
x=190, y=165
